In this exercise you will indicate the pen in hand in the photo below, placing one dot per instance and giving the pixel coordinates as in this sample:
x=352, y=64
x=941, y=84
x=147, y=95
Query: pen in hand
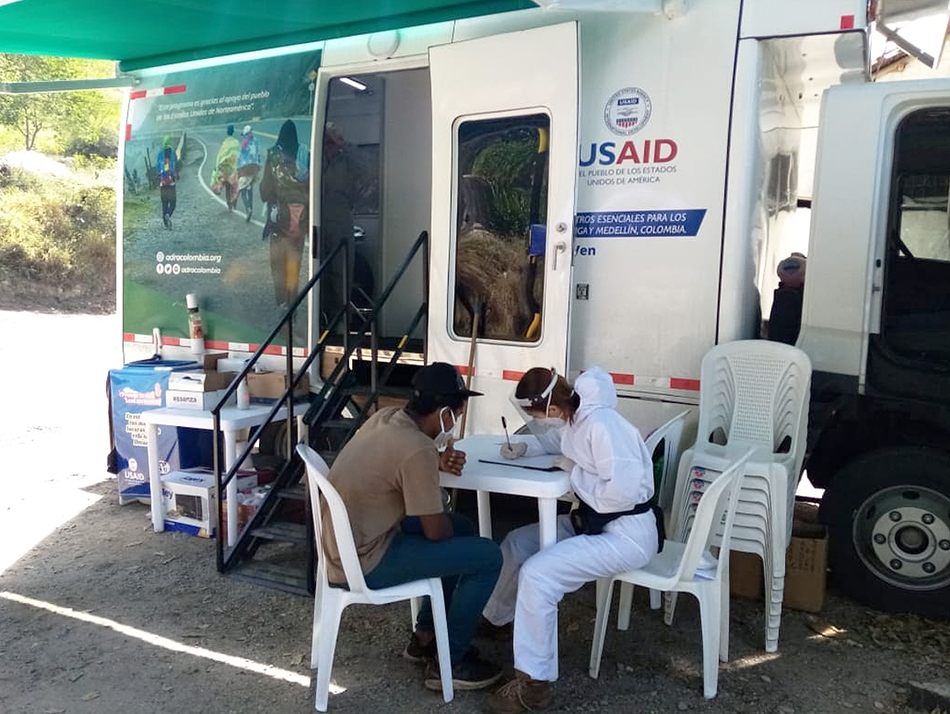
x=504, y=425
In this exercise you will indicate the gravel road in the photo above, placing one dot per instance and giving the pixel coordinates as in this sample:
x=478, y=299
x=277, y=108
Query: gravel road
x=100, y=615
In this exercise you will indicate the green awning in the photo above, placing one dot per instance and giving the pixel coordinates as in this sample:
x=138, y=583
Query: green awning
x=148, y=33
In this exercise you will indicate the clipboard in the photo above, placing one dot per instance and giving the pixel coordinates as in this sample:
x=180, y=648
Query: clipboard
x=515, y=464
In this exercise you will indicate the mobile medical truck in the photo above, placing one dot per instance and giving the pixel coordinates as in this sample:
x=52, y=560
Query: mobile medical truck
x=612, y=184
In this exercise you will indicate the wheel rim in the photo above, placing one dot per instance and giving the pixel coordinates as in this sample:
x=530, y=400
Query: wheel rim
x=902, y=535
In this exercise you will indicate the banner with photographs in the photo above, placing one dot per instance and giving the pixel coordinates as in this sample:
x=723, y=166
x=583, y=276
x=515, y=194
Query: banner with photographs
x=216, y=197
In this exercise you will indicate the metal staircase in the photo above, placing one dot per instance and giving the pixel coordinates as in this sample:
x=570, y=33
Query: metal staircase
x=275, y=548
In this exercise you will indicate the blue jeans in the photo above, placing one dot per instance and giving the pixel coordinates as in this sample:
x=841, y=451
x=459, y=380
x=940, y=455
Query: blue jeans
x=467, y=564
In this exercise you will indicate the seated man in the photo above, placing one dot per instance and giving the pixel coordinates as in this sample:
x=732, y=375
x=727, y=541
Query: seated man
x=388, y=477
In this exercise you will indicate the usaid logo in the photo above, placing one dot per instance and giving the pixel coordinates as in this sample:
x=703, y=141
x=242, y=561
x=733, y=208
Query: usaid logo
x=627, y=111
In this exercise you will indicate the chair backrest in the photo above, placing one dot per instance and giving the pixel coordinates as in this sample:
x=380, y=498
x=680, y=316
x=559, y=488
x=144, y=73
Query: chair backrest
x=718, y=505
x=317, y=471
x=754, y=393
x=669, y=435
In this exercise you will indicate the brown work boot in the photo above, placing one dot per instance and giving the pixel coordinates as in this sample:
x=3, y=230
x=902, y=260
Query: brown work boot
x=520, y=694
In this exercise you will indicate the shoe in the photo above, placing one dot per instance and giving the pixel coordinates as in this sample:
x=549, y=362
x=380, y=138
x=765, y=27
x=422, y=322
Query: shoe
x=491, y=631
x=419, y=653
x=520, y=694
x=166, y=220
x=168, y=223
x=472, y=672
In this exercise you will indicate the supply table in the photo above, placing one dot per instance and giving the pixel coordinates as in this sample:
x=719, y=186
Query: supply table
x=232, y=421
x=484, y=479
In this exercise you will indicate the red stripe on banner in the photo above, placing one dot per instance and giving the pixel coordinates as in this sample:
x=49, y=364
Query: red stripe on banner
x=173, y=341
x=463, y=370
x=137, y=94
x=622, y=378
x=690, y=384
x=511, y=375
x=215, y=345
x=847, y=22
x=270, y=349
x=176, y=89
x=128, y=132
x=128, y=337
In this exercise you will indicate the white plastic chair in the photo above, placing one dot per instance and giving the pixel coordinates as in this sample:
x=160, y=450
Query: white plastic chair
x=329, y=602
x=675, y=570
x=669, y=434
x=753, y=394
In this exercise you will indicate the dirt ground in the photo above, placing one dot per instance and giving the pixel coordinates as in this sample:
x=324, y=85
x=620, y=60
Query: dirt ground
x=100, y=615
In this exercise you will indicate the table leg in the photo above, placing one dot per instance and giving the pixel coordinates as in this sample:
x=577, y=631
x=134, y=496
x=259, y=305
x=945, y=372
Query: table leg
x=230, y=458
x=484, y=513
x=154, y=479
x=547, y=520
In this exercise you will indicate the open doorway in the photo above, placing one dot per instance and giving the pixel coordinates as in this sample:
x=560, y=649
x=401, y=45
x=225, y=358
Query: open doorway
x=375, y=193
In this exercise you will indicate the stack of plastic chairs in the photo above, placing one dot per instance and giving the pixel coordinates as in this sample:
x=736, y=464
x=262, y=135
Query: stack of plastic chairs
x=753, y=394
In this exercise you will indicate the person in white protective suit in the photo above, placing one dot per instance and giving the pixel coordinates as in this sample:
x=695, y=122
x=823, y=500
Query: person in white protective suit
x=614, y=530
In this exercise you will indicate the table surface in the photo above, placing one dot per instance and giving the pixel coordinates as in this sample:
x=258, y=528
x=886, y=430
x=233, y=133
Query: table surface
x=499, y=478
x=232, y=418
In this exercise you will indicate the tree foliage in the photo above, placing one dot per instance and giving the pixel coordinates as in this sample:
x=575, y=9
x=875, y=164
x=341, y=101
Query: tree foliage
x=81, y=122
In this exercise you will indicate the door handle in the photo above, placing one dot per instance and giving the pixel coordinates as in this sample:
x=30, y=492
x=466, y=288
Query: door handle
x=559, y=247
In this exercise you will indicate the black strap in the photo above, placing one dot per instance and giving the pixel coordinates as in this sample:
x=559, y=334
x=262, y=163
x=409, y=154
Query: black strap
x=587, y=521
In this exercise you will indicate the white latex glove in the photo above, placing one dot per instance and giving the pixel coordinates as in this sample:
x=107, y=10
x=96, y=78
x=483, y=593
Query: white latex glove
x=516, y=450
x=563, y=463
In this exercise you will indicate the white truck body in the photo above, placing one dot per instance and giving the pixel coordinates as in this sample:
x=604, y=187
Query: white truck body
x=684, y=143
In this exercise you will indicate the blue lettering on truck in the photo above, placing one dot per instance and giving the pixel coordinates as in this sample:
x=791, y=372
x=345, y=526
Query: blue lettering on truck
x=639, y=224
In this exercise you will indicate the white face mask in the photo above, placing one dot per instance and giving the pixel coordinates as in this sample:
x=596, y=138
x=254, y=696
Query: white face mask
x=442, y=440
x=551, y=422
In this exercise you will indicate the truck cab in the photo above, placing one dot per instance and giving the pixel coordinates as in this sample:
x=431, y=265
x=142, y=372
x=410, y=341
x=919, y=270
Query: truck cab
x=876, y=324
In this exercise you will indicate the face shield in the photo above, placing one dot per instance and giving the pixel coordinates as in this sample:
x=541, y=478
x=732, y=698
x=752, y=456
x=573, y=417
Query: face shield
x=539, y=405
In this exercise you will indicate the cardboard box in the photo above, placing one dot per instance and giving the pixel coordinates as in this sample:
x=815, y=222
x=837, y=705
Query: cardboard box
x=179, y=399
x=746, y=575
x=272, y=385
x=211, y=359
x=806, y=568
x=199, y=381
x=190, y=505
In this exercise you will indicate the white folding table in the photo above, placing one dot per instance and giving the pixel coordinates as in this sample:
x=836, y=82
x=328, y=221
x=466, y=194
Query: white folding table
x=484, y=479
x=233, y=420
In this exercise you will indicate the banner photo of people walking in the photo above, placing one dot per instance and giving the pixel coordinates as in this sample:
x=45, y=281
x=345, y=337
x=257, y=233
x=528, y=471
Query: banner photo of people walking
x=216, y=201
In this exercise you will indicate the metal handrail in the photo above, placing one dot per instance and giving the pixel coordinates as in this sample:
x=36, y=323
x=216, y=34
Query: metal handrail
x=333, y=380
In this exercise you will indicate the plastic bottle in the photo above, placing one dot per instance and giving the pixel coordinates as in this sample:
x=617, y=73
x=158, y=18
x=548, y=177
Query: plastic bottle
x=243, y=397
x=195, y=330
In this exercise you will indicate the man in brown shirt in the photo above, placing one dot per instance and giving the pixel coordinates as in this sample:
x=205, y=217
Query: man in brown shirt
x=388, y=477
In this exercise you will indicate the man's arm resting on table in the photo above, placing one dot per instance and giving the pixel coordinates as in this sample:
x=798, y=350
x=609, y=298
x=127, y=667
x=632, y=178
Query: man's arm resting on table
x=436, y=526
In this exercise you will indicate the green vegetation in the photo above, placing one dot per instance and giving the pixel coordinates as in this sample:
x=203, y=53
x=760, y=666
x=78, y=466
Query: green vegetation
x=56, y=232
x=70, y=123
x=57, y=225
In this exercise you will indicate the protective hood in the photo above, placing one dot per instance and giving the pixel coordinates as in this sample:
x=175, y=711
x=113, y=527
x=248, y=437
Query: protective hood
x=596, y=390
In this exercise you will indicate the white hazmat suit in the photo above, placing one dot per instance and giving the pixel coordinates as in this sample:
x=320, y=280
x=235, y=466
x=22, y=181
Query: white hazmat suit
x=612, y=472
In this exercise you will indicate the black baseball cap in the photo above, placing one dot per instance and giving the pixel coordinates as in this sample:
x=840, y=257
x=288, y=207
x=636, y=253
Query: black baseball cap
x=441, y=382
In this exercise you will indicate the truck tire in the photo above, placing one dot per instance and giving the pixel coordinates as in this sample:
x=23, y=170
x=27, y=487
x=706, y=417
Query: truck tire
x=888, y=515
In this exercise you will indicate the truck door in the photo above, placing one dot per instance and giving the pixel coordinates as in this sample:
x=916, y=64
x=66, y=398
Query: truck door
x=504, y=138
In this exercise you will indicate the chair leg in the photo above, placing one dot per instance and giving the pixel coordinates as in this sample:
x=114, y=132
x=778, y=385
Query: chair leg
x=656, y=599
x=709, y=612
x=624, y=605
x=440, y=624
x=724, y=617
x=414, y=609
x=315, y=639
x=670, y=608
x=331, y=612
x=605, y=587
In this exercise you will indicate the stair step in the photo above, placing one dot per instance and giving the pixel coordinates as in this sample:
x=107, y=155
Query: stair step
x=283, y=531
x=297, y=492
x=279, y=576
x=340, y=423
x=384, y=391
